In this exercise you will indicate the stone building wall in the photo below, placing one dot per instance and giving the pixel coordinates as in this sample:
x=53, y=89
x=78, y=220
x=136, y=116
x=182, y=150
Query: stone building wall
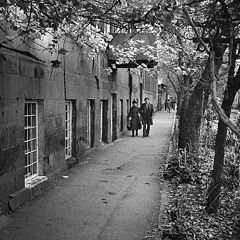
x=79, y=80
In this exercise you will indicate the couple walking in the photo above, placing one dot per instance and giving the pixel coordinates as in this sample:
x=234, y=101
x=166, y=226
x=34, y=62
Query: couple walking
x=145, y=113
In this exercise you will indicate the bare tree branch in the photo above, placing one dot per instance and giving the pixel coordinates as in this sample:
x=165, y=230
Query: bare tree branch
x=28, y=54
x=195, y=30
x=224, y=118
x=218, y=109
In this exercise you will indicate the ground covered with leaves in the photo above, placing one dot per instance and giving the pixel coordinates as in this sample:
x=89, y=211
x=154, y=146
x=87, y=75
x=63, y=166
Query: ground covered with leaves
x=185, y=215
x=188, y=178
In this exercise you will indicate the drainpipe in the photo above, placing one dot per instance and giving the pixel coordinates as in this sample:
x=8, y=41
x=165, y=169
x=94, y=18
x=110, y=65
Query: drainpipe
x=130, y=86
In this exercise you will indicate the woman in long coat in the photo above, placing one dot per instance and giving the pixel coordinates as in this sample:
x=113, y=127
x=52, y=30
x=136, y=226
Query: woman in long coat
x=133, y=116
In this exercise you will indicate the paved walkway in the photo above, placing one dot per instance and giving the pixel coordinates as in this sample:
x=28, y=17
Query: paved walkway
x=113, y=196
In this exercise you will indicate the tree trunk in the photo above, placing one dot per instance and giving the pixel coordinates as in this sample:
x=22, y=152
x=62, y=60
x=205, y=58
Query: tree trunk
x=214, y=190
x=190, y=120
x=189, y=126
x=180, y=101
x=215, y=186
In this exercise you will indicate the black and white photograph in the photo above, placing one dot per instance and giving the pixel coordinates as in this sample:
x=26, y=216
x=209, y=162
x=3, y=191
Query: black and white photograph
x=119, y=119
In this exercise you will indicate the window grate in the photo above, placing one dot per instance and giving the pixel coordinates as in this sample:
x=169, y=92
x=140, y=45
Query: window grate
x=68, y=129
x=101, y=120
x=31, y=139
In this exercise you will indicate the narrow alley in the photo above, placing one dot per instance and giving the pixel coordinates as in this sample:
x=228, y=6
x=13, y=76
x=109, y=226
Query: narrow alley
x=112, y=196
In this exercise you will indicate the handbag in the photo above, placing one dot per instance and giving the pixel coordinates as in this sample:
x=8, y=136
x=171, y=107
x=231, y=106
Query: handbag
x=139, y=125
x=128, y=124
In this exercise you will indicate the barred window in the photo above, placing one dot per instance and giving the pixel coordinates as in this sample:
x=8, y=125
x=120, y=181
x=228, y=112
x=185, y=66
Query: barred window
x=31, y=139
x=68, y=129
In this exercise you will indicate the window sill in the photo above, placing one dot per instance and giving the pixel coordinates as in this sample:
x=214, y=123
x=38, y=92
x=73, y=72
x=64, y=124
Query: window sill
x=32, y=182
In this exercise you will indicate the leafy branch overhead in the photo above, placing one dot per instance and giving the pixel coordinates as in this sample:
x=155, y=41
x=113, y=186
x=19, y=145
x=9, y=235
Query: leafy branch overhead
x=170, y=21
x=87, y=21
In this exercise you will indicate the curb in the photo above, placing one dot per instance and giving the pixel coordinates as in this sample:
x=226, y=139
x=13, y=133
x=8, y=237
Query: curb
x=164, y=194
x=163, y=203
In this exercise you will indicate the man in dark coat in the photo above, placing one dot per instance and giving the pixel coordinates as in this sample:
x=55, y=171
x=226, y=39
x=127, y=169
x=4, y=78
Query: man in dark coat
x=146, y=111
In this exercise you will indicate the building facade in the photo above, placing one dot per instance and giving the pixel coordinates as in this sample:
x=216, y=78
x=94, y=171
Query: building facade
x=54, y=107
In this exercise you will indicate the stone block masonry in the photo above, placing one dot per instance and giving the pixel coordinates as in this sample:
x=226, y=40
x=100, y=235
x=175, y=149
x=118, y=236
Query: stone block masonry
x=26, y=82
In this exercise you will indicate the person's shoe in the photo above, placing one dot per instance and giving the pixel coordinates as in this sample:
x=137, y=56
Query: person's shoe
x=132, y=135
x=136, y=134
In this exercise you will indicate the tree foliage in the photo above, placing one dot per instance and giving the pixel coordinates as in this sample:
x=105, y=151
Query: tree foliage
x=81, y=21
